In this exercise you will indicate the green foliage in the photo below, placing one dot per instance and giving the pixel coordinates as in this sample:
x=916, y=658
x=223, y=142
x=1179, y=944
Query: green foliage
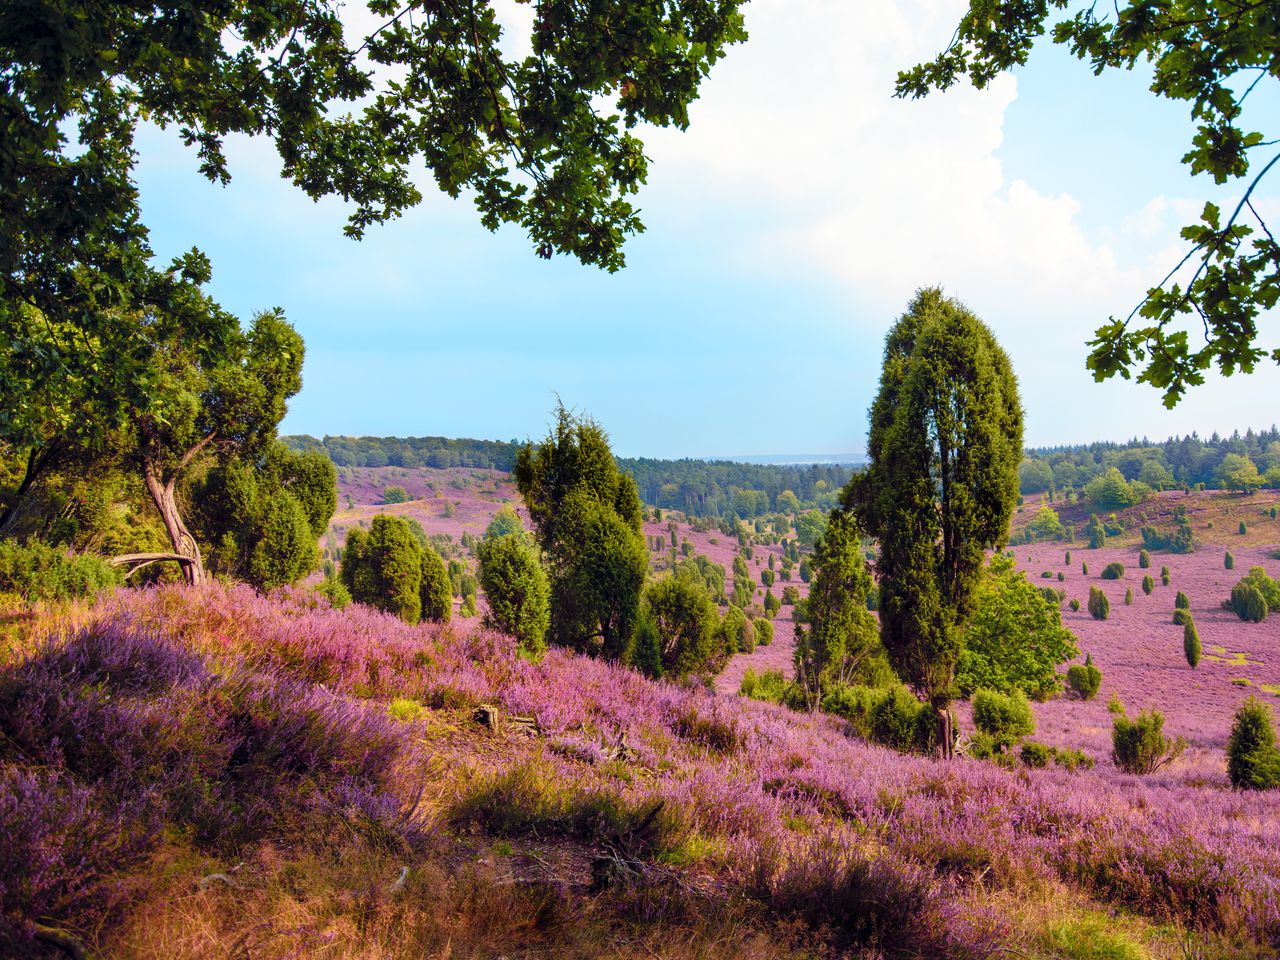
x=1113, y=571
x=435, y=590
x=1253, y=761
x=383, y=568
x=1047, y=525
x=1148, y=585
x=505, y=521
x=686, y=621
x=1228, y=561
x=335, y=591
x=587, y=516
x=1034, y=476
x=771, y=604
x=1035, y=755
x=1099, y=605
x=944, y=445
x=769, y=686
x=810, y=526
x=646, y=646
x=764, y=631
x=733, y=631
x=1074, y=604
x=1128, y=597
x=1111, y=491
x=1144, y=559
x=37, y=571
x=1139, y=745
x=1181, y=540
x=394, y=495
x=1006, y=717
x=841, y=637
x=1238, y=472
x=1191, y=644
x=1083, y=679
x=1237, y=275
x=1084, y=569
x=899, y=721
x=1181, y=601
x=1181, y=617
x=1015, y=639
x=805, y=573
x=1244, y=528
x=1164, y=576
x=1255, y=595
x=516, y=590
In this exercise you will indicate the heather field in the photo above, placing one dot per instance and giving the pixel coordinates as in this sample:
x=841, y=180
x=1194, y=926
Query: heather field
x=195, y=773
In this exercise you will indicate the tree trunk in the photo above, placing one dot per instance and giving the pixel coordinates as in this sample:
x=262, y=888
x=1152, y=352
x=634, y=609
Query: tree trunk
x=37, y=459
x=946, y=733
x=184, y=544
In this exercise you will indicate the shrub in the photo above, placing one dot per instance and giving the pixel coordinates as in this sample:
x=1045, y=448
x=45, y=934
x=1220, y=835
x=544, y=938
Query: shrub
x=517, y=590
x=1061, y=577
x=436, y=590
x=37, y=571
x=1084, y=678
x=1004, y=716
x=1148, y=585
x=394, y=495
x=1139, y=745
x=769, y=686
x=1036, y=754
x=383, y=567
x=1144, y=559
x=1244, y=528
x=900, y=721
x=1228, y=561
x=333, y=589
x=1128, y=597
x=1084, y=569
x=1068, y=558
x=1253, y=762
x=1071, y=759
x=1191, y=644
x=1164, y=576
x=1099, y=605
x=1074, y=605
x=1182, y=601
x=1255, y=595
x=764, y=631
x=1113, y=571
x=689, y=634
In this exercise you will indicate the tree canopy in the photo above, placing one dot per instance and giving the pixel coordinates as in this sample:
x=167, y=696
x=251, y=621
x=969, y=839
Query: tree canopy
x=1211, y=54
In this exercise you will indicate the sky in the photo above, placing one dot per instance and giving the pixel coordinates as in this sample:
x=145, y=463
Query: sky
x=787, y=229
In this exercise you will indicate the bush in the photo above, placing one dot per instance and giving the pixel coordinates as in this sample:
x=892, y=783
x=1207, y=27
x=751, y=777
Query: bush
x=1181, y=617
x=900, y=721
x=1164, y=576
x=689, y=633
x=1113, y=571
x=1071, y=759
x=1228, y=561
x=516, y=589
x=1182, y=601
x=1244, y=528
x=1253, y=762
x=1068, y=559
x=1099, y=605
x=1144, y=559
x=436, y=590
x=1036, y=754
x=1191, y=644
x=770, y=686
x=1074, y=605
x=1005, y=716
x=1148, y=585
x=1139, y=745
x=394, y=495
x=37, y=571
x=333, y=589
x=764, y=631
x=1084, y=569
x=1255, y=595
x=1084, y=678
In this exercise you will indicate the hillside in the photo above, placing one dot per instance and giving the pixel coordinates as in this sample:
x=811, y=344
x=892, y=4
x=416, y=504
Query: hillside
x=214, y=773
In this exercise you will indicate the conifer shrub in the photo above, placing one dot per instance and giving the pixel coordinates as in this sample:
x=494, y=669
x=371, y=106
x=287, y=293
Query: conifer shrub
x=1128, y=597
x=1274, y=512
x=516, y=589
x=1148, y=585
x=1084, y=569
x=1144, y=559
x=1036, y=755
x=1182, y=601
x=1072, y=759
x=1113, y=571
x=1164, y=576
x=1099, y=605
x=1074, y=605
x=1244, y=528
x=1191, y=644
x=1138, y=745
x=394, y=495
x=37, y=571
x=1228, y=561
x=764, y=630
x=1255, y=595
x=1083, y=679
x=1181, y=617
x=1253, y=761
x=1006, y=717
x=900, y=721
x=436, y=590
x=1068, y=559
x=646, y=646
x=769, y=686
x=1061, y=577
x=333, y=590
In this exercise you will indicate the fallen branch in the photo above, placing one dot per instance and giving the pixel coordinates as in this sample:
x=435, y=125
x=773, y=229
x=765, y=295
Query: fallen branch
x=62, y=940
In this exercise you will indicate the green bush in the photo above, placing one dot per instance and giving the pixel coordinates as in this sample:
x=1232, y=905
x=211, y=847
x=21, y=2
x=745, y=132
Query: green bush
x=1128, y=597
x=333, y=589
x=1099, y=605
x=1074, y=605
x=1144, y=559
x=1253, y=762
x=901, y=722
x=1004, y=716
x=1084, y=678
x=1228, y=561
x=1191, y=644
x=1255, y=595
x=1164, y=576
x=1071, y=759
x=1139, y=745
x=769, y=686
x=1084, y=569
x=516, y=589
x=1182, y=601
x=1068, y=560
x=1148, y=585
x=1113, y=571
x=37, y=571
x=394, y=495
x=1244, y=528
x=764, y=631
x=436, y=590
x=1036, y=754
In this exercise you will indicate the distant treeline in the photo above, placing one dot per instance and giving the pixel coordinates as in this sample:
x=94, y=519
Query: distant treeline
x=1178, y=461
x=697, y=487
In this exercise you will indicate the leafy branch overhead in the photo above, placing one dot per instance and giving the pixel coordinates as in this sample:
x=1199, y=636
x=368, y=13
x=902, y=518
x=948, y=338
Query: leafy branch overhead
x=1213, y=54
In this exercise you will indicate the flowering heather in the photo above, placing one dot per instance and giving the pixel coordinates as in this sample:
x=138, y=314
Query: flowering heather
x=226, y=718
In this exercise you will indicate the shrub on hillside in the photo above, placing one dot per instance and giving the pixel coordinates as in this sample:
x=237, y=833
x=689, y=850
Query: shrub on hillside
x=1099, y=605
x=1255, y=595
x=1139, y=745
x=333, y=590
x=516, y=589
x=770, y=686
x=690, y=634
x=901, y=722
x=1144, y=559
x=1006, y=717
x=1182, y=540
x=1084, y=678
x=1253, y=761
x=1191, y=644
x=436, y=591
x=37, y=571
x=1181, y=601
x=764, y=630
x=394, y=495
x=1074, y=605
x=1113, y=571
x=1228, y=561
x=1035, y=755
x=1148, y=585
x=383, y=567
x=1128, y=597
x=1164, y=576
x=1244, y=528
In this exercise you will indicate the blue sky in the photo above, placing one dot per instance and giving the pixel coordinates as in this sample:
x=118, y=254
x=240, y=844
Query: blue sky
x=787, y=228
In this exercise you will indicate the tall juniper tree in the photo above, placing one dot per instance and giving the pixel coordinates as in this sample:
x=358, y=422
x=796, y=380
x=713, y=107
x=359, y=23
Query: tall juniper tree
x=944, y=446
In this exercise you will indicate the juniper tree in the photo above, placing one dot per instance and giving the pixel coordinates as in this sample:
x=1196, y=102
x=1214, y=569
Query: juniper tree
x=944, y=445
